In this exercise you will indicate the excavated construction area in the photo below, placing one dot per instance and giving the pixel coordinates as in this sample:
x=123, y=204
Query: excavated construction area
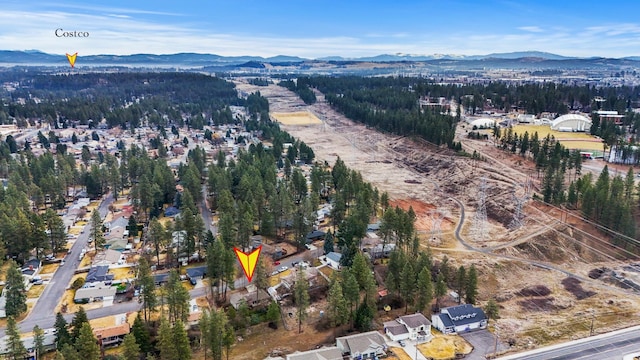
x=546, y=250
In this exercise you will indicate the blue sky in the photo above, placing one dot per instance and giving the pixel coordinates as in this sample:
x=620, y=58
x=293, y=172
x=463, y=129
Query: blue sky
x=324, y=27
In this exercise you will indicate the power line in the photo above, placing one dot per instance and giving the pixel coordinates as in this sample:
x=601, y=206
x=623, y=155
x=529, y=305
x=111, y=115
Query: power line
x=480, y=218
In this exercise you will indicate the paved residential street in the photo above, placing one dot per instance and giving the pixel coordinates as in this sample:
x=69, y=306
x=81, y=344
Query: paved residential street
x=609, y=346
x=53, y=292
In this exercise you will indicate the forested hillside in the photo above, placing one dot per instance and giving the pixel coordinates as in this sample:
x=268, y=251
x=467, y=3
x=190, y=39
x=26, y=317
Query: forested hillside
x=387, y=104
x=123, y=99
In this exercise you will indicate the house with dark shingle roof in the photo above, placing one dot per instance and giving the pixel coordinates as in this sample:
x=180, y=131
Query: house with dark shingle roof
x=315, y=235
x=31, y=268
x=99, y=274
x=196, y=272
x=459, y=319
x=362, y=346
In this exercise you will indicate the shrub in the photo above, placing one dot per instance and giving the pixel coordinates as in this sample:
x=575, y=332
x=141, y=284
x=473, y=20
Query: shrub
x=77, y=283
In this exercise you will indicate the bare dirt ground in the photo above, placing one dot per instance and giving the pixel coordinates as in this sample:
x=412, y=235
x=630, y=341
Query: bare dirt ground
x=552, y=244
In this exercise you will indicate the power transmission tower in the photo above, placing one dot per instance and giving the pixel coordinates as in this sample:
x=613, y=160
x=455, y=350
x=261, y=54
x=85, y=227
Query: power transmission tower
x=480, y=220
x=520, y=198
x=436, y=225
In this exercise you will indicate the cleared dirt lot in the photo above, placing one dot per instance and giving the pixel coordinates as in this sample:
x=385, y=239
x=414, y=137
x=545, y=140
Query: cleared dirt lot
x=551, y=244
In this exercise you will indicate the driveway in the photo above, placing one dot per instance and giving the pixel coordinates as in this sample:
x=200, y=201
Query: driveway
x=484, y=343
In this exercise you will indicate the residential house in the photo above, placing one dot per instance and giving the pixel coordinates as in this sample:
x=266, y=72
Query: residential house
x=194, y=313
x=98, y=292
x=379, y=251
x=333, y=259
x=328, y=353
x=196, y=273
x=253, y=298
x=113, y=335
x=116, y=239
x=99, y=274
x=461, y=318
x=373, y=227
x=161, y=279
x=415, y=327
x=362, y=346
x=49, y=343
x=109, y=257
x=315, y=235
x=121, y=222
x=31, y=268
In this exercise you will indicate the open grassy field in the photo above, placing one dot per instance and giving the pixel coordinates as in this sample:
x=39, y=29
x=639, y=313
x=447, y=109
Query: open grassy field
x=443, y=347
x=296, y=118
x=594, y=146
x=571, y=140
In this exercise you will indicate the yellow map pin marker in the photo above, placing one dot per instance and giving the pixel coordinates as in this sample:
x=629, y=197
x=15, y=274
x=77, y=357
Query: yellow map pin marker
x=72, y=59
x=248, y=261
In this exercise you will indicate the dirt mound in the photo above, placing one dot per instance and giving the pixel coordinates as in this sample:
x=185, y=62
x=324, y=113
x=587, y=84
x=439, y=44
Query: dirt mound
x=534, y=290
x=574, y=286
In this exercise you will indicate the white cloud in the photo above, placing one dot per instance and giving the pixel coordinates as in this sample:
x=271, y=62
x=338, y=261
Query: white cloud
x=533, y=29
x=122, y=31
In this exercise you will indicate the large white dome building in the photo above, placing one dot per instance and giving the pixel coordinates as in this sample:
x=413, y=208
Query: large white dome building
x=571, y=122
x=483, y=123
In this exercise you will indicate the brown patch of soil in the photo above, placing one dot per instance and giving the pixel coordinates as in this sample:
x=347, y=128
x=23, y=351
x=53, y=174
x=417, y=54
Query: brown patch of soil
x=574, y=286
x=538, y=304
x=534, y=290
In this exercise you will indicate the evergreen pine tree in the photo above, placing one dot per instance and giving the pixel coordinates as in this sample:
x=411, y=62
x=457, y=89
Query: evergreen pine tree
x=131, y=350
x=181, y=341
x=14, y=345
x=38, y=341
x=471, y=290
x=86, y=344
x=79, y=319
x=62, y=332
x=141, y=333
x=15, y=292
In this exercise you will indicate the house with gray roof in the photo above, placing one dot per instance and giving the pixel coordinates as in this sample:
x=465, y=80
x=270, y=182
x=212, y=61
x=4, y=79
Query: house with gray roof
x=102, y=292
x=328, y=353
x=362, y=346
x=414, y=326
x=458, y=319
x=333, y=259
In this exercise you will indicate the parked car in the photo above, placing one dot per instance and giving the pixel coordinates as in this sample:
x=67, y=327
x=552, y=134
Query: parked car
x=402, y=343
x=276, y=263
x=283, y=269
x=193, y=281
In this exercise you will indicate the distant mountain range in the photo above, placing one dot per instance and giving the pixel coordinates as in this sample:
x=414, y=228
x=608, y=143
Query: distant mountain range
x=34, y=57
x=185, y=59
